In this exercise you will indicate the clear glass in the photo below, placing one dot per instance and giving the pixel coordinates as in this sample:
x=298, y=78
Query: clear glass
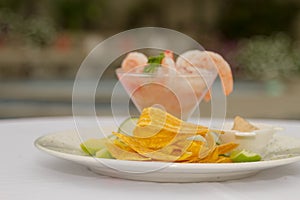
x=176, y=93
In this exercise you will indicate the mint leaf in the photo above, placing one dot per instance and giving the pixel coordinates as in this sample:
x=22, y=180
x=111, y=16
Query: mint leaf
x=154, y=62
x=151, y=68
x=156, y=59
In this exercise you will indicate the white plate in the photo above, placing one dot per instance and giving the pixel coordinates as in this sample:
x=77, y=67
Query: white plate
x=65, y=145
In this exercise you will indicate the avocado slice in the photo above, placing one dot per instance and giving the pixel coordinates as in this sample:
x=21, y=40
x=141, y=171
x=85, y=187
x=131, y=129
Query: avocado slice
x=103, y=153
x=244, y=156
x=91, y=146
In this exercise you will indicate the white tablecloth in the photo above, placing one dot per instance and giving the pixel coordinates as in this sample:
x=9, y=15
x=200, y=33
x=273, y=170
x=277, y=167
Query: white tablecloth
x=27, y=173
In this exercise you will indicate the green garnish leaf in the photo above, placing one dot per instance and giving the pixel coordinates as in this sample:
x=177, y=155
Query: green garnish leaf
x=156, y=59
x=153, y=63
x=151, y=68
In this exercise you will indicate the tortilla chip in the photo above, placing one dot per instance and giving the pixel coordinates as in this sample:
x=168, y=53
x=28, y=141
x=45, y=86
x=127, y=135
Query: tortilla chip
x=185, y=150
x=154, y=142
x=132, y=143
x=121, y=154
x=208, y=147
x=242, y=125
x=226, y=148
x=160, y=156
x=122, y=145
x=212, y=157
x=223, y=159
x=195, y=148
x=167, y=153
x=153, y=120
x=185, y=157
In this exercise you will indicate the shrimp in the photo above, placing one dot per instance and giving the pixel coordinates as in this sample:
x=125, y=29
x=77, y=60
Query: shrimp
x=168, y=60
x=207, y=60
x=133, y=60
x=169, y=54
x=224, y=71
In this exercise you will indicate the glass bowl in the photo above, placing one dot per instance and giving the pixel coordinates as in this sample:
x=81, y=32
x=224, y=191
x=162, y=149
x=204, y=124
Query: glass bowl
x=178, y=94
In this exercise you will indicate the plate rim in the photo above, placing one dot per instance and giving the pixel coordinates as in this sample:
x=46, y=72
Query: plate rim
x=243, y=166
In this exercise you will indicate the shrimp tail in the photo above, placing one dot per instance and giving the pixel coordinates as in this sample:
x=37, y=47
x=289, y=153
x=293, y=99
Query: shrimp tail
x=207, y=96
x=168, y=60
x=169, y=54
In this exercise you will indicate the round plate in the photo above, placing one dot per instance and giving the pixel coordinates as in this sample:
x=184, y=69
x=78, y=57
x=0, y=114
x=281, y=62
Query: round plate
x=65, y=145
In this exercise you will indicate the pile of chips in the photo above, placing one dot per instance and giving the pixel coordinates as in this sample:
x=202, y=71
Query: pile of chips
x=159, y=136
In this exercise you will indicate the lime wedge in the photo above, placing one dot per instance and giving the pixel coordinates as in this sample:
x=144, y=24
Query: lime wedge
x=91, y=146
x=128, y=125
x=244, y=156
x=103, y=153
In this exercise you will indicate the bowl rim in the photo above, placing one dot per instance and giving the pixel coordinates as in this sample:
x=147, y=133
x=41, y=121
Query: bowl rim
x=266, y=129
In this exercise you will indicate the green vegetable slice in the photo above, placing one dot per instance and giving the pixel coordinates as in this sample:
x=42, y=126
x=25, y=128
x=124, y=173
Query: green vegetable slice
x=91, y=146
x=244, y=156
x=103, y=153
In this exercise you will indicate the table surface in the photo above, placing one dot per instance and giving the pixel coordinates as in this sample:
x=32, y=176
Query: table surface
x=27, y=173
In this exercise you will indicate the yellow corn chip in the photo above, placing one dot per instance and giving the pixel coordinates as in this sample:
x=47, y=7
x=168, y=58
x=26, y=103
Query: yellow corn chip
x=154, y=142
x=195, y=148
x=154, y=120
x=211, y=158
x=160, y=156
x=121, y=154
x=240, y=124
x=226, y=148
x=122, y=145
x=223, y=159
x=132, y=143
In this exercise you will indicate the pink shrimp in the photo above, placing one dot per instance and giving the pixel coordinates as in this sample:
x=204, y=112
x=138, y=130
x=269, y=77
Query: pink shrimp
x=207, y=60
x=133, y=60
x=168, y=60
x=169, y=54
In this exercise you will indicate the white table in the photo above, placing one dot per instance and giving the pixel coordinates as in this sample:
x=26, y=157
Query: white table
x=27, y=173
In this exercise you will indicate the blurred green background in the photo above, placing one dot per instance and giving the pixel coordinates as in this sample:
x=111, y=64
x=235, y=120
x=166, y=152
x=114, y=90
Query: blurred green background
x=42, y=44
